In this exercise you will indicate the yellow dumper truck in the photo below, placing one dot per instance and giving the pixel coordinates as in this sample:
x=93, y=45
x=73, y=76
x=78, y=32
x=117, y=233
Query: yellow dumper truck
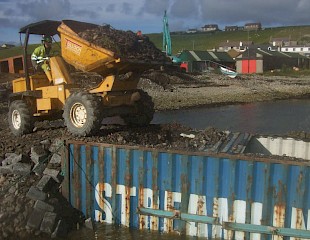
x=34, y=97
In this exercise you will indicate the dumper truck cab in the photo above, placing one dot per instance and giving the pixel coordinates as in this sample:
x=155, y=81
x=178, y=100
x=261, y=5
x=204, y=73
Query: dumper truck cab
x=35, y=98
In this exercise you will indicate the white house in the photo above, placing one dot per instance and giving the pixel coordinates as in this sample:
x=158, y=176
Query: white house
x=305, y=50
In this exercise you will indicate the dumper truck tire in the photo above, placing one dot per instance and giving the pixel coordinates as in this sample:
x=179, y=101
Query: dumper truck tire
x=145, y=111
x=82, y=114
x=20, y=118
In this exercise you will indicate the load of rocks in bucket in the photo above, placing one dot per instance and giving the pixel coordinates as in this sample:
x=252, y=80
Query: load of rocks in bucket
x=31, y=203
x=125, y=44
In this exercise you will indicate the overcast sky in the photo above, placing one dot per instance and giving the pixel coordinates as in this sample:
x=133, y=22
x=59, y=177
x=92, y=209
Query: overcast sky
x=146, y=15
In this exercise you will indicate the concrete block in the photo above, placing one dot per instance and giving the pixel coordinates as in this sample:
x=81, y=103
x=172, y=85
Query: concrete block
x=56, y=159
x=38, y=154
x=36, y=194
x=61, y=229
x=35, y=219
x=89, y=224
x=12, y=158
x=48, y=222
x=53, y=173
x=43, y=206
x=46, y=143
x=56, y=146
x=45, y=184
x=21, y=168
x=39, y=168
x=6, y=169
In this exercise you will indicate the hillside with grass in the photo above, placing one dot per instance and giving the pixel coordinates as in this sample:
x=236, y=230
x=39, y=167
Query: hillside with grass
x=207, y=41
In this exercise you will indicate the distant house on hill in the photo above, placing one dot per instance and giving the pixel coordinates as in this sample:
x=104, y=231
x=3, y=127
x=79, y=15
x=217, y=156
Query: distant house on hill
x=192, y=30
x=280, y=42
x=305, y=50
x=252, y=26
x=231, y=28
x=6, y=46
x=210, y=28
x=238, y=46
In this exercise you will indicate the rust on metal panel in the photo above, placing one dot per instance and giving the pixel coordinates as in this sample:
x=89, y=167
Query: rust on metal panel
x=154, y=220
x=299, y=219
x=89, y=200
x=215, y=208
x=200, y=207
x=300, y=188
x=142, y=220
x=65, y=164
x=127, y=206
x=279, y=215
x=114, y=181
x=142, y=223
x=76, y=176
x=169, y=222
x=101, y=164
x=281, y=195
x=114, y=169
x=101, y=200
x=128, y=183
x=247, y=157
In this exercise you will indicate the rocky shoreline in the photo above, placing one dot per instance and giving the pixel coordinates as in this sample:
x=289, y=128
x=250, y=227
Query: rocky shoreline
x=216, y=90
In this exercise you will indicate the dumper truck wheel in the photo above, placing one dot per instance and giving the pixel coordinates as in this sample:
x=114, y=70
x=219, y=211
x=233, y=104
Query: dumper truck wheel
x=82, y=114
x=20, y=118
x=145, y=111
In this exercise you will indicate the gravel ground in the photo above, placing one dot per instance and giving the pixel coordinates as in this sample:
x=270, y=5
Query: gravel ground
x=213, y=90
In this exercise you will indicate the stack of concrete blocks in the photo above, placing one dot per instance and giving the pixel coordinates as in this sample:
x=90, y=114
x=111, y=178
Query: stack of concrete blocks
x=13, y=164
x=44, y=218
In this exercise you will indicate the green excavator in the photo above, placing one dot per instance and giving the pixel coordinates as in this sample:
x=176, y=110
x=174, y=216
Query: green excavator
x=167, y=40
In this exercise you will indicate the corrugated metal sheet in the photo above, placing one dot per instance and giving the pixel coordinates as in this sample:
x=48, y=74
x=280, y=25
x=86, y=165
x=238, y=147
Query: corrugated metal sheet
x=279, y=146
x=234, y=143
x=198, y=194
x=206, y=56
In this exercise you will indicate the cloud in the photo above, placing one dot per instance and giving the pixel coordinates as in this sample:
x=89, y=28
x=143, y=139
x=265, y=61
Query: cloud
x=110, y=8
x=127, y=8
x=185, y=9
x=242, y=11
x=84, y=13
x=42, y=9
x=155, y=7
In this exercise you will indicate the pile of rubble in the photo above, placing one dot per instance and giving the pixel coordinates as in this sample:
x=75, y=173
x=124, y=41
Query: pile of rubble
x=126, y=44
x=30, y=200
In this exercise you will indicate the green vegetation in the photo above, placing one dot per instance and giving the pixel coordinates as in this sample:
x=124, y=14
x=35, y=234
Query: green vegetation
x=206, y=41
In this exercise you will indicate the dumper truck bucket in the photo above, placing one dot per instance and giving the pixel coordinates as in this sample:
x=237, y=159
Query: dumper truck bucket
x=82, y=54
x=87, y=56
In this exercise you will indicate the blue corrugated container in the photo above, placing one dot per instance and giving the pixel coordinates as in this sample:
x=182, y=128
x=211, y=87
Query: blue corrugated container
x=193, y=193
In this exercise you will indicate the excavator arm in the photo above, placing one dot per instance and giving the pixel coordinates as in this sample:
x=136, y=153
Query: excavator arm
x=166, y=36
